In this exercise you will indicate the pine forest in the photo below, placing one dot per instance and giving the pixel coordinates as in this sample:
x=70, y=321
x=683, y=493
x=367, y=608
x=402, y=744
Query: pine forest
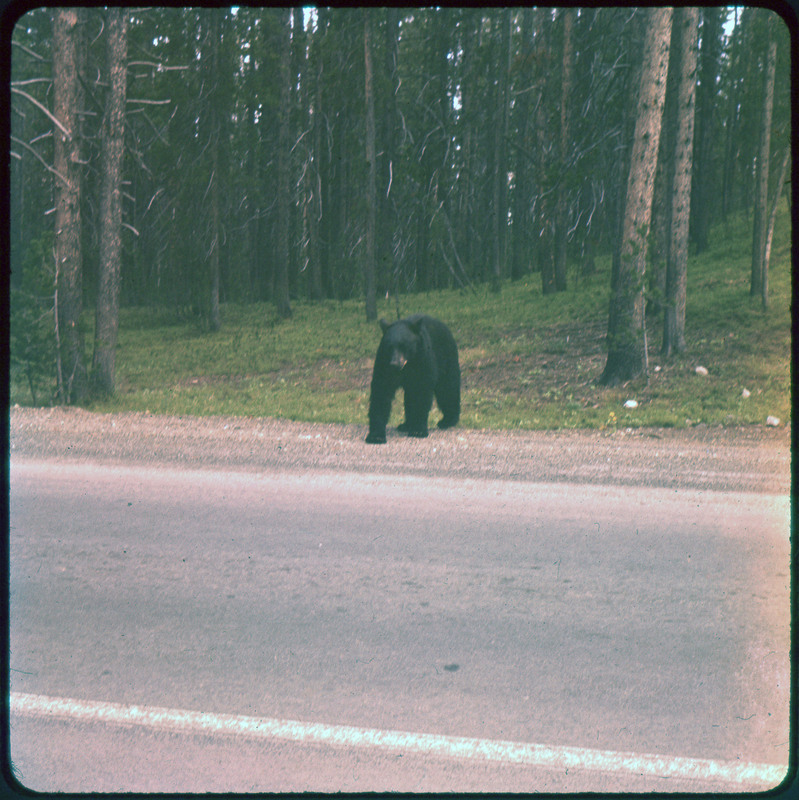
x=186, y=159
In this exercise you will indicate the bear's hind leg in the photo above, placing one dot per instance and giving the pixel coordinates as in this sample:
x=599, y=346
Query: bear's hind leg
x=448, y=398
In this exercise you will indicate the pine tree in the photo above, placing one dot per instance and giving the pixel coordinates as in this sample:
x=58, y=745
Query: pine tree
x=627, y=351
x=113, y=143
x=67, y=59
x=685, y=25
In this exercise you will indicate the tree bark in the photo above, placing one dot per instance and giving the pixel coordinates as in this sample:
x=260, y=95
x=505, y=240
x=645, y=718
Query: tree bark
x=499, y=205
x=72, y=374
x=759, y=280
x=113, y=148
x=561, y=209
x=546, y=211
x=315, y=179
x=740, y=51
x=627, y=357
x=389, y=221
x=371, y=190
x=215, y=133
x=687, y=20
x=633, y=41
x=707, y=102
x=284, y=198
x=772, y=218
x=520, y=254
x=662, y=205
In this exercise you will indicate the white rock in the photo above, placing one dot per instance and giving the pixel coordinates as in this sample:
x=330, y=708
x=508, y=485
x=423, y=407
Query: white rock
x=631, y=404
x=745, y=393
x=701, y=371
x=773, y=421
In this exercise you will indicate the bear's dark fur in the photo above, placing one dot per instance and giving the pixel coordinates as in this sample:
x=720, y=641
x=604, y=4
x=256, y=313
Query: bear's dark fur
x=420, y=355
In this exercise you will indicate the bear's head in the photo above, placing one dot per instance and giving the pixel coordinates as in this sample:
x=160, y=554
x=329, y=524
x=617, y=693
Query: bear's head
x=402, y=341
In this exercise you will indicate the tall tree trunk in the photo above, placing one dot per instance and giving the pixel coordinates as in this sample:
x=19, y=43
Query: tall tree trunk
x=686, y=22
x=315, y=180
x=561, y=209
x=545, y=169
x=662, y=200
x=520, y=254
x=499, y=206
x=284, y=198
x=388, y=214
x=214, y=320
x=215, y=133
x=626, y=330
x=772, y=218
x=371, y=190
x=633, y=39
x=72, y=375
x=740, y=50
x=707, y=102
x=113, y=148
x=324, y=158
x=759, y=281
x=297, y=126
x=468, y=211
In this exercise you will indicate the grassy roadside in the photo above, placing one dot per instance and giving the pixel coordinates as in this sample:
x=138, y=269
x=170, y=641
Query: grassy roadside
x=528, y=361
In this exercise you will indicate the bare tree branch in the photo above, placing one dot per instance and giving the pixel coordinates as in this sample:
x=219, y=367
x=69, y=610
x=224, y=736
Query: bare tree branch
x=42, y=108
x=31, y=80
x=149, y=102
x=27, y=50
x=46, y=165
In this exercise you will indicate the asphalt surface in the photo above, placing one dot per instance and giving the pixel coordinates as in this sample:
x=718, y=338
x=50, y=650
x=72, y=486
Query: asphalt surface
x=384, y=592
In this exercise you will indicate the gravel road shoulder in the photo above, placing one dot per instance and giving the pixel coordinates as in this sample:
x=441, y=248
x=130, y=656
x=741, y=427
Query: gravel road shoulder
x=750, y=459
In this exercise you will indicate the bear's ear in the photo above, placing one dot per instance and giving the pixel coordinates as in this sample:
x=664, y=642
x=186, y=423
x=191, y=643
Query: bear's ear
x=416, y=327
x=384, y=325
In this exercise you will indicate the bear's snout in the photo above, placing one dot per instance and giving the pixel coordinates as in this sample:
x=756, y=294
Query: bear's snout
x=398, y=360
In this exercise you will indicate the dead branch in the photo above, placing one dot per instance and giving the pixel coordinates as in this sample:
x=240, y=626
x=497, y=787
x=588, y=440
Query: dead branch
x=43, y=109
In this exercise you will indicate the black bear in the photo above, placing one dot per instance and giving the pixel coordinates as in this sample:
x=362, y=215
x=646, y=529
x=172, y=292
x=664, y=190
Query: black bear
x=420, y=355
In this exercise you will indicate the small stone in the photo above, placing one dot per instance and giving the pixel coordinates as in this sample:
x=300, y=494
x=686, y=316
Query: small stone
x=772, y=421
x=701, y=370
x=631, y=404
x=745, y=393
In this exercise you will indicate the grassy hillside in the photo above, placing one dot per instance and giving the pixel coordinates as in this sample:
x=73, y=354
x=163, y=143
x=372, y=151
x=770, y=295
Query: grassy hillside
x=528, y=361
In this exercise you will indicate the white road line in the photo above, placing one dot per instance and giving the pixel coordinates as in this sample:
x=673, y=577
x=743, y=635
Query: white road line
x=536, y=755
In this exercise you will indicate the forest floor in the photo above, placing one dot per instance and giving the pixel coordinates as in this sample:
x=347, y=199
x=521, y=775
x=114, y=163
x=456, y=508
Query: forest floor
x=528, y=361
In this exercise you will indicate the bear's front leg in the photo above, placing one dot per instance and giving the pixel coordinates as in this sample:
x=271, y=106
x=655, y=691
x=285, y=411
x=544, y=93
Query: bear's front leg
x=379, y=412
x=417, y=410
x=377, y=429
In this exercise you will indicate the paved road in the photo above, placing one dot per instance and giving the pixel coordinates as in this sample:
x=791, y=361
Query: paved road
x=589, y=620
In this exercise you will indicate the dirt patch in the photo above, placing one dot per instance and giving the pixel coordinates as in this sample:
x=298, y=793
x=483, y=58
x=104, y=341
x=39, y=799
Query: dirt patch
x=214, y=380
x=337, y=376
x=562, y=361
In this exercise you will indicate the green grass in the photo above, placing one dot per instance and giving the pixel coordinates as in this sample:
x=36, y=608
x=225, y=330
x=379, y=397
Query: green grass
x=528, y=361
